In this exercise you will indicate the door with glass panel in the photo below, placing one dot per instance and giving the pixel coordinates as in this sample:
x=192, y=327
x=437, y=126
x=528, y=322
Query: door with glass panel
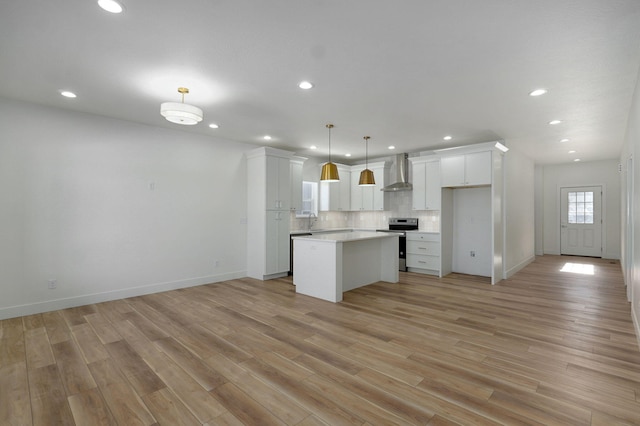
x=581, y=221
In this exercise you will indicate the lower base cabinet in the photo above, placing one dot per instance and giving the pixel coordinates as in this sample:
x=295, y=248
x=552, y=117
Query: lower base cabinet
x=423, y=252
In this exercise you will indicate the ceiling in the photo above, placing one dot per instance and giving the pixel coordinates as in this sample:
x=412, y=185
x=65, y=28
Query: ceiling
x=405, y=73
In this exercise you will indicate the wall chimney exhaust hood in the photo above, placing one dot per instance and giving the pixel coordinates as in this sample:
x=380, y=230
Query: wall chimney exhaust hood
x=401, y=182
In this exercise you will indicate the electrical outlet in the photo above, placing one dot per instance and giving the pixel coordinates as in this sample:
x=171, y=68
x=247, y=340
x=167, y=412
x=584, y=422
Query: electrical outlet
x=472, y=253
x=216, y=263
x=53, y=284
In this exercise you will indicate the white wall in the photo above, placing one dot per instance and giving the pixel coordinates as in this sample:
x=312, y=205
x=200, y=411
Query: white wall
x=111, y=209
x=604, y=173
x=632, y=149
x=520, y=208
x=472, y=231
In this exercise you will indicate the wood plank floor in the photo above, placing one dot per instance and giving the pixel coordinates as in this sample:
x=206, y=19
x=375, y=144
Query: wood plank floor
x=543, y=348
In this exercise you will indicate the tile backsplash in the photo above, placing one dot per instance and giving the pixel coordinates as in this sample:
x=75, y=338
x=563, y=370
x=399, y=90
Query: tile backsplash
x=399, y=206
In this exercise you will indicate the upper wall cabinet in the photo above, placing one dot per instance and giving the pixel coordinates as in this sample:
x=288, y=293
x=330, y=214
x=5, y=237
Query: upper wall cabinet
x=425, y=177
x=336, y=196
x=473, y=169
x=296, y=183
x=369, y=198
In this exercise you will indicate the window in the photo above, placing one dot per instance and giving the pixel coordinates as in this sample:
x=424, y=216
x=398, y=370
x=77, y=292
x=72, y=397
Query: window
x=580, y=207
x=309, y=198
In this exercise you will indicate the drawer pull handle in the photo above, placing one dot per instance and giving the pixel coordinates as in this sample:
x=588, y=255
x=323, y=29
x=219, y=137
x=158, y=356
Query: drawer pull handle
x=421, y=261
x=422, y=248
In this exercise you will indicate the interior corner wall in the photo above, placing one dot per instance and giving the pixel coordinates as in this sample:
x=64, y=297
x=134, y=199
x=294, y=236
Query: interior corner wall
x=520, y=223
x=594, y=173
x=111, y=209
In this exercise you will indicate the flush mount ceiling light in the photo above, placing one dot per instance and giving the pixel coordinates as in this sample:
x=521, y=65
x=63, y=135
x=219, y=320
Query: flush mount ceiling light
x=111, y=6
x=448, y=138
x=391, y=147
x=564, y=140
x=366, y=176
x=266, y=137
x=181, y=113
x=554, y=122
x=214, y=126
x=329, y=170
x=306, y=85
x=67, y=94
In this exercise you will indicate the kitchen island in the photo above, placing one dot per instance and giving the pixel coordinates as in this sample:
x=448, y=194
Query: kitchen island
x=326, y=265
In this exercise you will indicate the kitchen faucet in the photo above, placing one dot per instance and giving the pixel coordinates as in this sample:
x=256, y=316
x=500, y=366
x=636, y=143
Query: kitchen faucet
x=311, y=222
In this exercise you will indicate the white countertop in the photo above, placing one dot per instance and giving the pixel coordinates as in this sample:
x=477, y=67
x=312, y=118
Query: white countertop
x=346, y=236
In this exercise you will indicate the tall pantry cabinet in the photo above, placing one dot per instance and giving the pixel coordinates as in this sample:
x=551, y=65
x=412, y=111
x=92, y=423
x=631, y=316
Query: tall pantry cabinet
x=268, y=204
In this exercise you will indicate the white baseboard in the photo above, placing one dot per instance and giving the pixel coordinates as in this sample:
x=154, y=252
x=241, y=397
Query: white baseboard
x=87, y=299
x=512, y=271
x=636, y=325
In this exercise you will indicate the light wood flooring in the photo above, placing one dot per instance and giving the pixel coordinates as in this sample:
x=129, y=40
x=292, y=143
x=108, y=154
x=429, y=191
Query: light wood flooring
x=543, y=348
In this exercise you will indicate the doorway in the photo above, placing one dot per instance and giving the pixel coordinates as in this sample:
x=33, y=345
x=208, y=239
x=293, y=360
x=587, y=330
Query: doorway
x=581, y=221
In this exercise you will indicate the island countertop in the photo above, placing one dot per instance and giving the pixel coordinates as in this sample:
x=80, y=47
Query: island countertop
x=338, y=237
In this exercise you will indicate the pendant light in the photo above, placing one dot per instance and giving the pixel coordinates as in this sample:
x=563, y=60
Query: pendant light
x=329, y=170
x=181, y=113
x=366, y=176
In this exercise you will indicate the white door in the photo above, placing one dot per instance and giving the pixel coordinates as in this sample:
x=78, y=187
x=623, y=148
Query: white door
x=581, y=221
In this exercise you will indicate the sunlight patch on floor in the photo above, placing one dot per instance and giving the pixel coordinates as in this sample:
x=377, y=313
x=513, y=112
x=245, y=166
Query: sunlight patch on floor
x=579, y=268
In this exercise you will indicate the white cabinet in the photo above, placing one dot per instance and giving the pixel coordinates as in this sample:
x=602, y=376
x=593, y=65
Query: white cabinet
x=268, y=201
x=426, y=183
x=277, y=242
x=423, y=252
x=369, y=198
x=296, y=183
x=473, y=169
x=336, y=196
x=278, y=183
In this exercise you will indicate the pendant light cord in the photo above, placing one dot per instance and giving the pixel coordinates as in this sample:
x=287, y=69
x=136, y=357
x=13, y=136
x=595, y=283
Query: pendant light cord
x=329, y=126
x=366, y=155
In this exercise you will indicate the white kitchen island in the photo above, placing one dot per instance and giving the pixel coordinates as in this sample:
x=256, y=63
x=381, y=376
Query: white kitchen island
x=326, y=265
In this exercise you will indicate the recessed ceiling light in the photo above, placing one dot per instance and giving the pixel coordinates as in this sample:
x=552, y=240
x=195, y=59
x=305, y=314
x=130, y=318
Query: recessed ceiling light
x=347, y=154
x=67, y=94
x=576, y=160
x=313, y=147
x=306, y=85
x=554, y=122
x=111, y=6
x=564, y=140
x=538, y=92
x=392, y=147
x=266, y=137
x=572, y=152
x=447, y=138
x=214, y=126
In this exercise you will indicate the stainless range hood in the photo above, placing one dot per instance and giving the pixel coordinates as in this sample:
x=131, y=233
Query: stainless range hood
x=401, y=182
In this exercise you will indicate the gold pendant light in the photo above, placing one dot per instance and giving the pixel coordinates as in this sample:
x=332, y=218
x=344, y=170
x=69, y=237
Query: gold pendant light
x=366, y=176
x=329, y=170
